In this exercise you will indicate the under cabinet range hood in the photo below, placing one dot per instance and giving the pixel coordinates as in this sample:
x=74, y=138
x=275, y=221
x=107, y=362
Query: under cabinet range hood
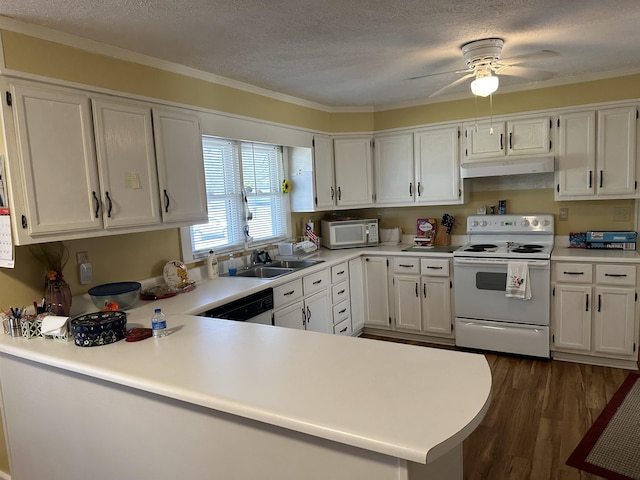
x=496, y=168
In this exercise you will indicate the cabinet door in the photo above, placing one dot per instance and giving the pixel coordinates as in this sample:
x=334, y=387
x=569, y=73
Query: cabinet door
x=572, y=317
x=180, y=166
x=356, y=293
x=319, y=313
x=292, y=316
x=323, y=172
x=437, y=164
x=376, y=292
x=484, y=140
x=407, y=300
x=616, y=156
x=575, y=164
x=59, y=174
x=393, y=169
x=528, y=136
x=436, y=306
x=614, y=320
x=127, y=164
x=354, y=179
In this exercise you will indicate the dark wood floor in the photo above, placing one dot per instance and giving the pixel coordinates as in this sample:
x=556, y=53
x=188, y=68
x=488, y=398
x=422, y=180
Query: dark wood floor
x=540, y=410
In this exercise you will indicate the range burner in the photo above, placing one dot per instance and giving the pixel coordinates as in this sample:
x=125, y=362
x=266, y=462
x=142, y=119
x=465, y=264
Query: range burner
x=527, y=248
x=480, y=247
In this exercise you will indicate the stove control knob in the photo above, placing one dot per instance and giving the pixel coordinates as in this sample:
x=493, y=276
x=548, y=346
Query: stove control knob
x=525, y=223
x=474, y=223
x=546, y=223
x=483, y=223
x=535, y=222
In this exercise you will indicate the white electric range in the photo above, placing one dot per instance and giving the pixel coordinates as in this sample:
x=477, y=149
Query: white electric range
x=486, y=318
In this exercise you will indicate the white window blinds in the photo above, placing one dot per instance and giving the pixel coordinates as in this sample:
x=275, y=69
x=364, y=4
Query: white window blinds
x=244, y=196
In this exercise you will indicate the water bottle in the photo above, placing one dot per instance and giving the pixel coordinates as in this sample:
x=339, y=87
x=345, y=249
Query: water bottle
x=158, y=324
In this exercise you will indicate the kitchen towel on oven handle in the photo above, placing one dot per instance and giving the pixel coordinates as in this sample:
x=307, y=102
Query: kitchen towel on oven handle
x=518, y=284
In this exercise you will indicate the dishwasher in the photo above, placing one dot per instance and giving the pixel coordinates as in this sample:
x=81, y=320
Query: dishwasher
x=254, y=308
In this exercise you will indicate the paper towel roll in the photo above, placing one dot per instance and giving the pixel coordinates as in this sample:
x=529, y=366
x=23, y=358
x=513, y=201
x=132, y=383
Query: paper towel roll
x=54, y=325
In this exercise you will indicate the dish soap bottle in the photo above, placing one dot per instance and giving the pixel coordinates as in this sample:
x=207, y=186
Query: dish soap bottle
x=232, y=266
x=212, y=265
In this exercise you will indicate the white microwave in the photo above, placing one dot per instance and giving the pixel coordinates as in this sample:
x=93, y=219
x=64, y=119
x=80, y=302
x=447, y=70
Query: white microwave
x=349, y=233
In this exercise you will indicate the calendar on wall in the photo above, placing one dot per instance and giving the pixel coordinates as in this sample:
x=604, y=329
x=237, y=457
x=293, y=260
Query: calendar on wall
x=7, y=252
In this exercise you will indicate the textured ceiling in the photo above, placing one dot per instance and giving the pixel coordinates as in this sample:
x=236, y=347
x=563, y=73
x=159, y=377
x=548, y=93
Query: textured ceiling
x=353, y=52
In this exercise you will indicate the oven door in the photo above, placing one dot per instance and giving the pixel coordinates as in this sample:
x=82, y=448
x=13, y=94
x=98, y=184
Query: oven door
x=480, y=291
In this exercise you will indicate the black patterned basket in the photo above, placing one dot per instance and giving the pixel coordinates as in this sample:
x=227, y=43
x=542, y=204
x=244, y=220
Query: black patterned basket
x=99, y=328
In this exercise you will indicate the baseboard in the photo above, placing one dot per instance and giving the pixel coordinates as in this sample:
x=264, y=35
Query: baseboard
x=594, y=360
x=409, y=336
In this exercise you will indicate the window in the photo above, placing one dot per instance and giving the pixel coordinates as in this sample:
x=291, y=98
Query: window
x=244, y=197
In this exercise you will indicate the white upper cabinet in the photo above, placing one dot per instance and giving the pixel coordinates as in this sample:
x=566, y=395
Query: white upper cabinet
x=54, y=175
x=596, y=156
x=311, y=176
x=180, y=165
x=82, y=165
x=519, y=137
x=127, y=164
x=393, y=167
x=353, y=171
x=437, y=166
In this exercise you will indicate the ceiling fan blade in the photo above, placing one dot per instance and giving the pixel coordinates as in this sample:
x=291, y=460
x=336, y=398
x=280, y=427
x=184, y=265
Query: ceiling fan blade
x=452, y=84
x=528, y=57
x=528, y=73
x=439, y=73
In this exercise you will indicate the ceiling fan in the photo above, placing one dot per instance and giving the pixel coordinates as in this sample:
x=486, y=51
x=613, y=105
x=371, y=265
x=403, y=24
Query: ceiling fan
x=484, y=64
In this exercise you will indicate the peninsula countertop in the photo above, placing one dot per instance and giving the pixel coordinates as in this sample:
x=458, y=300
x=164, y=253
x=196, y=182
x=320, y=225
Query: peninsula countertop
x=405, y=401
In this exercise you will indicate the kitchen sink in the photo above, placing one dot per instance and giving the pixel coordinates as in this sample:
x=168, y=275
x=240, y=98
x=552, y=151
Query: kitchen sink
x=295, y=264
x=276, y=269
x=261, y=271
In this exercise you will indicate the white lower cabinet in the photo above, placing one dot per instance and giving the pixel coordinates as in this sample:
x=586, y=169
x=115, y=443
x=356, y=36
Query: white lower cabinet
x=356, y=294
x=304, y=303
x=413, y=296
x=594, y=312
x=340, y=299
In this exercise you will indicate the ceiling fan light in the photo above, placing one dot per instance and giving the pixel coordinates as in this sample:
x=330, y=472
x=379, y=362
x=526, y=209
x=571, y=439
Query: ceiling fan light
x=485, y=86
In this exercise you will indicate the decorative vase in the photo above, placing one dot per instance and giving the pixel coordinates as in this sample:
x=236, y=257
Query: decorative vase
x=57, y=294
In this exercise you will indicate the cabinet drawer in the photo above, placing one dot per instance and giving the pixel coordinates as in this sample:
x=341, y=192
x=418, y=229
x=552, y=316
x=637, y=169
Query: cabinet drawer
x=316, y=281
x=339, y=272
x=287, y=293
x=339, y=292
x=406, y=265
x=341, y=311
x=343, y=328
x=573, y=272
x=616, y=274
x=434, y=267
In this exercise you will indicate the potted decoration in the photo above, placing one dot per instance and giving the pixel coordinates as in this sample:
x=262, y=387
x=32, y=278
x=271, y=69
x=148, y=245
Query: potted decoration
x=57, y=293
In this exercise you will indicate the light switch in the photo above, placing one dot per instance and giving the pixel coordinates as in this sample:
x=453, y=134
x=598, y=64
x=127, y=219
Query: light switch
x=86, y=273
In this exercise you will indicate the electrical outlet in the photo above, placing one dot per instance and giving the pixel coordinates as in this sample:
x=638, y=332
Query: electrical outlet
x=621, y=214
x=82, y=257
x=564, y=214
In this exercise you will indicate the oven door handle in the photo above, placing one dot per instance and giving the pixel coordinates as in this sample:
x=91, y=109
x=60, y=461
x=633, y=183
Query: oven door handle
x=498, y=261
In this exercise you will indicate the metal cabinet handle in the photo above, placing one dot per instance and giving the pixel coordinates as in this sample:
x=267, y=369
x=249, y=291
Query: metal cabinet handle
x=110, y=204
x=424, y=290
x=341, y=292
x=342, y=311
x=417, y=295
x=410, y=189
x=599, y=302
x=97, y=203
x=317, y=282
x=405, y=265
x=419, y=189
x=510, y=140
x=166, y=201
x=333, y=192
x=501, y=141
x=341, y=272
x=590, y=178
x=586, y=307
x=601, y=178
x=286, y=294
x=344, y=329
x=434, y=268
x=339, y=193
x=308, y=315
x=573, y=273
x=304, y=318
x=615, y=274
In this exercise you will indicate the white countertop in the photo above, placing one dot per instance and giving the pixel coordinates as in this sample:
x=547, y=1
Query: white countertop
x=594, y=255
x=410, y=402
